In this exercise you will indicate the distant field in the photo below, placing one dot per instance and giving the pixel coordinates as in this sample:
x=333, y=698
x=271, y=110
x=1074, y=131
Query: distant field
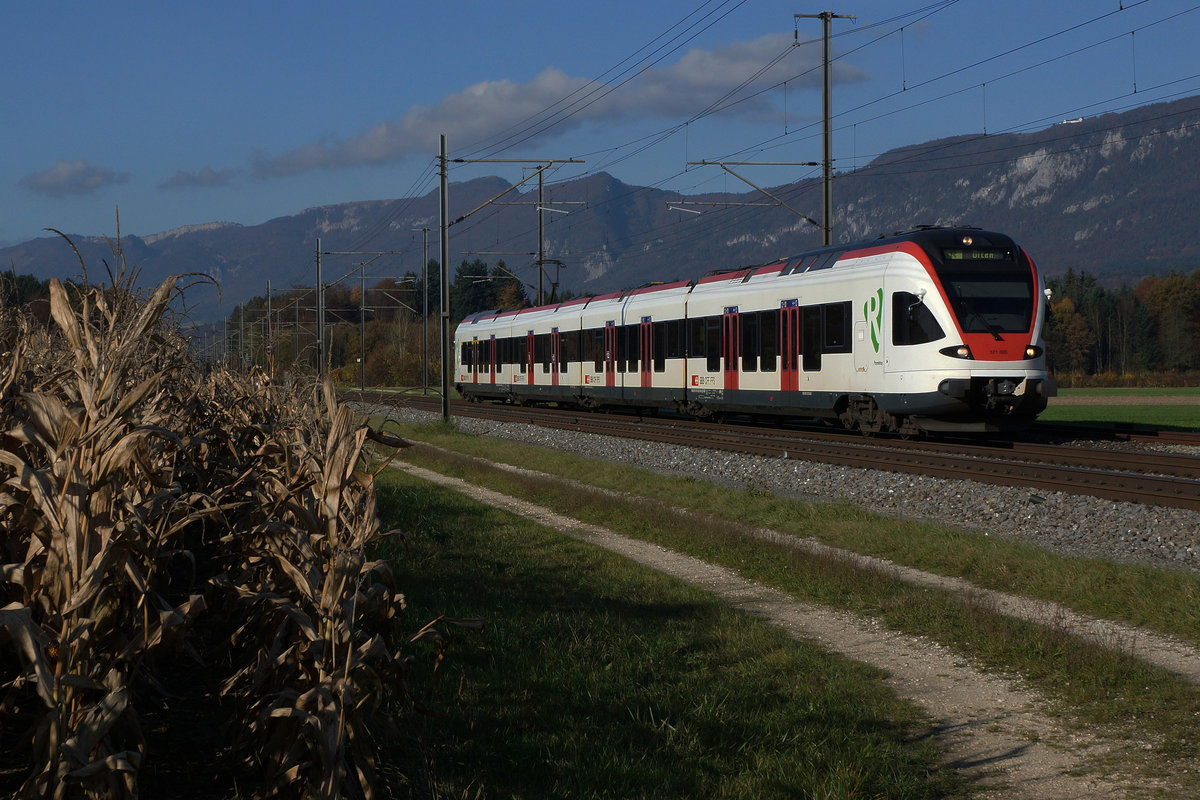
x=1191, y=393
x=1159, y=407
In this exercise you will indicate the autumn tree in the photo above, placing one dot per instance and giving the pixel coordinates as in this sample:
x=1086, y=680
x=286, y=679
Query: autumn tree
x=1173, y=302
x=1069, y=340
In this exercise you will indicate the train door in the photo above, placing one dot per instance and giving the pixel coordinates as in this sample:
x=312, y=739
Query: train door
x=647, y=350
x=730, y=346
x=530, y=356
x=862, y=354
x=492, y=358
x=610, y=354
x=473, y=349
x=555, y=344
x=789, y=346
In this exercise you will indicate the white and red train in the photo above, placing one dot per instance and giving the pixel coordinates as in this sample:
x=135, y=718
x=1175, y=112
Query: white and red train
x=934, y=330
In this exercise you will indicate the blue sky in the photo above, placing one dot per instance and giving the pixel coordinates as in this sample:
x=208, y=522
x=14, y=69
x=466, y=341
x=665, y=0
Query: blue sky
x=188, y=113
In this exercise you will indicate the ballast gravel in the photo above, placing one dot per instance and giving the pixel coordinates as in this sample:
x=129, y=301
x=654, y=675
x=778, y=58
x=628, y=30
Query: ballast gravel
x=1066, y=523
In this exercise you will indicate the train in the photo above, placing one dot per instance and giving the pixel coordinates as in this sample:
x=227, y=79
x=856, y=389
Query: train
x=935, y=330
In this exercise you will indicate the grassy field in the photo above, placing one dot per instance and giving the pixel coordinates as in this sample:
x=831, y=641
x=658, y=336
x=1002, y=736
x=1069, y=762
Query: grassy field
x=596, y=678
x=1190, y=392
x=573, y=586
x=1140, y=407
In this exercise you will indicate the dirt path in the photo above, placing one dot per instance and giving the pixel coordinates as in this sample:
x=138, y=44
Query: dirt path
x=1126, y=400
x=993, y=729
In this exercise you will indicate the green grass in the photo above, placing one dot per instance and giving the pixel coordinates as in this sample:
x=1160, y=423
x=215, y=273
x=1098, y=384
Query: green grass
x=1182, y=416
x=1173, y=417
x=1098, y=686
x=1168, y=601
x=597, y=678
x=1134, y=391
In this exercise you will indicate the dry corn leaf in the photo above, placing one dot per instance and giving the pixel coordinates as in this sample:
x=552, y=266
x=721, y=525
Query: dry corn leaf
x=31, y=641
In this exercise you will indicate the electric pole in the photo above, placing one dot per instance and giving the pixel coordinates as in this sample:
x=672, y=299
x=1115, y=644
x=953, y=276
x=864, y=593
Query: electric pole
x=827, y=18
x=424, y=312
x=445, y=287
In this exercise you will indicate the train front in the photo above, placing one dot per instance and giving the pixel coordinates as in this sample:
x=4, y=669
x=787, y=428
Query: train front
x=997, y=299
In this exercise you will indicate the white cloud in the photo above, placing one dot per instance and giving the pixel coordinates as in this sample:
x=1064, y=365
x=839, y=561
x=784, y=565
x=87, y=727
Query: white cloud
x=71, y=178
x=554, y=103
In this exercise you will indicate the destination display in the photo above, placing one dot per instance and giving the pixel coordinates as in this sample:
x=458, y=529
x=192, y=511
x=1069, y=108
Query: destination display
x=976, y=255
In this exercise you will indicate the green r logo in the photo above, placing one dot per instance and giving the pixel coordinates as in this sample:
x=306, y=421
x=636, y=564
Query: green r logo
x=873, y=314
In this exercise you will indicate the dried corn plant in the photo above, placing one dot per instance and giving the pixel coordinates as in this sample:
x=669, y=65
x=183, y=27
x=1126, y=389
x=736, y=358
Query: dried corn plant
x=88, y=496
x=318, y=666
x=118, y=459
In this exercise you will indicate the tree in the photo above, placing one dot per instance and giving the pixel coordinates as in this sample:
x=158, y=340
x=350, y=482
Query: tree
x=471, y=290
x=1173, y=302
x=508, y=289
x=1069, y=340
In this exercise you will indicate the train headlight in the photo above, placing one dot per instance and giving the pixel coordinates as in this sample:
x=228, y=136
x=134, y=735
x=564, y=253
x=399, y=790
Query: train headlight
x=1033, y=351
x=958, y=351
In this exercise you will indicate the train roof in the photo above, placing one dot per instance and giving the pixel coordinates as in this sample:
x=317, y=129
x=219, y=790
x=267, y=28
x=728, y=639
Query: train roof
x=930, y=238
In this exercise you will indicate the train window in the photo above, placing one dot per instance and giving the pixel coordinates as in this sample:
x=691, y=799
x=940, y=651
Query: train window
x=523, y=352
x=837, y=327
x=696, y=337
x=541, y=351
x=465, y=358
x=768, y=351
x=749, y=326
x=989, y=295
x=712, y=343
x=595, y=342
x=574, y=346
x=912, y=321
x=660, y=345
x=674, y=346
x=634, y=344
x=810, y=345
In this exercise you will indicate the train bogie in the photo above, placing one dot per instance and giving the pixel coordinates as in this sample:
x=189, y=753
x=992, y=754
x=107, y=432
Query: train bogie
x=937, y=330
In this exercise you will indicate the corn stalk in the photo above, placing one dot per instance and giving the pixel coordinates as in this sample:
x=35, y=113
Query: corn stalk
x=119, y=458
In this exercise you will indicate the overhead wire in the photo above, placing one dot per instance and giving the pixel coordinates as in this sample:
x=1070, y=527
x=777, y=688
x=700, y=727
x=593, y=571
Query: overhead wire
x=628, y=150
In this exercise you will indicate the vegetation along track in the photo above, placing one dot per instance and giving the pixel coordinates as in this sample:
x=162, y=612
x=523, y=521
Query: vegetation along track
x=1135, y=476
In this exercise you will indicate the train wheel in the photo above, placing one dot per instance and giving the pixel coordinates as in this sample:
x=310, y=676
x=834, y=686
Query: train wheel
x=908, y=429
x=863, y=413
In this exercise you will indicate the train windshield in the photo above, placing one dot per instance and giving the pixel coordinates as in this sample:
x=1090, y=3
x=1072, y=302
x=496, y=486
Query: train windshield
x=990, y=291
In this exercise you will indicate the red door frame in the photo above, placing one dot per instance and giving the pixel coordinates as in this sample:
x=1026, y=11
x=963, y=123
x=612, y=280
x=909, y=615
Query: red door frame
x=610, y=354
x=731, y=346
x=789, y=345
x=554, y=345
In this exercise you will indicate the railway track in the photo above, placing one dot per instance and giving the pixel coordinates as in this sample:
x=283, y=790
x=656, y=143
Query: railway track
x=1134, y=476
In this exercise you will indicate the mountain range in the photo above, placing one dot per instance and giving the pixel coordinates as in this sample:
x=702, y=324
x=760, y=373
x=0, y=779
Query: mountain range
x=1114, y=195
